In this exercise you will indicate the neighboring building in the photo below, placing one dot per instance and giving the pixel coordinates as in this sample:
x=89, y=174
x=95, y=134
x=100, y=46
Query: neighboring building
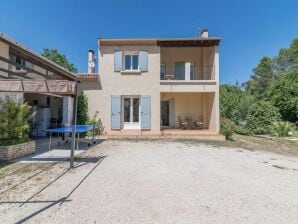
x=29, y=77
x=149, y=85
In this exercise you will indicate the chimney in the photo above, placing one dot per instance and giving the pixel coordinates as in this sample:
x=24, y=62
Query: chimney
x=91, y=64
x=204, y=33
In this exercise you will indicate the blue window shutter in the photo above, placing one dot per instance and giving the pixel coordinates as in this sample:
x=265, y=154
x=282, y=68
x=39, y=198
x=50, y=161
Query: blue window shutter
x=143, y=61
x=118, y=61
x=145, y=112
x=115, y=112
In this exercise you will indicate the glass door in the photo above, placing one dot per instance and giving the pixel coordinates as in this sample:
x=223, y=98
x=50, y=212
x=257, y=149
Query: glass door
x=164, y=113
x=180, y=70
x=131, y=112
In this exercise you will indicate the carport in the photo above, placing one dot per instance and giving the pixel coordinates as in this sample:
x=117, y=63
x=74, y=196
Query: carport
x=22, y=72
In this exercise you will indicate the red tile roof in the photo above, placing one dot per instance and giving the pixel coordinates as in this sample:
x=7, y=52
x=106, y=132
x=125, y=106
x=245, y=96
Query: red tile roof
x=87, y=75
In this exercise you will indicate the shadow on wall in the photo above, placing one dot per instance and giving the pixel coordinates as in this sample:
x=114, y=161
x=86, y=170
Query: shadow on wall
x=90, y=85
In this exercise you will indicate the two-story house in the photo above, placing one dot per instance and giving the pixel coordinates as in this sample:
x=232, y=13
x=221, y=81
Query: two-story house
x=151, y=86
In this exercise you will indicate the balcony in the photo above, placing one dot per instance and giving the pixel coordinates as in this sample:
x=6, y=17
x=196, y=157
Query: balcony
x=187, y=73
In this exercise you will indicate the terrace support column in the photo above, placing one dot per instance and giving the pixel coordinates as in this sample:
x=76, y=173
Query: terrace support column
x=187, y=71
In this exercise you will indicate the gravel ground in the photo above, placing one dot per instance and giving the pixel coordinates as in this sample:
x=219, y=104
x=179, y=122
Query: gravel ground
x=159, y=182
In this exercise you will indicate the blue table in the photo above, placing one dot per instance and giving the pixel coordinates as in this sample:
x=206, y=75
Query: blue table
x=78, y=129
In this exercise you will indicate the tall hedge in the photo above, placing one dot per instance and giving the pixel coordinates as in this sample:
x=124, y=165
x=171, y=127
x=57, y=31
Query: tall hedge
x=82, y=112
x=260, y=118
x=283, y=94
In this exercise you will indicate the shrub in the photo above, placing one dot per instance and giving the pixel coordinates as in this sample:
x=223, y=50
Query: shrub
x=82, y=113
x=96, y=122
x=242, y=130
x=282, y=129
x=14, y=117
x=260, y=118
x=241, y=111
x=284, y=95
x=227, y=128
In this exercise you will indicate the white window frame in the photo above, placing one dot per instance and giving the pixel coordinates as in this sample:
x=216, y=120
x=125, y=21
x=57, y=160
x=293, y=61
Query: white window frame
x=131, y=124
x=131, y=53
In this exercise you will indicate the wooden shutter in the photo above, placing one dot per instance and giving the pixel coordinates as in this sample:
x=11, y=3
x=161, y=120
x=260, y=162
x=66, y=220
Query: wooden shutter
x=118, y=61
x=115, y=112
x=143, y=61
x=145, y=112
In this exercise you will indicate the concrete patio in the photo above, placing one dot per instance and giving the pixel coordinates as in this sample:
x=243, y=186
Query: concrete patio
x=58, y=152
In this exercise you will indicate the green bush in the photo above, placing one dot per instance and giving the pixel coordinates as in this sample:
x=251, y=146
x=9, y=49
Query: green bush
x=282, y=129
x=96, y=122
x=242, y=130
x=260, y=118
x=227, y=128
x=241, y=111
x=82, y=113
x=283, y=94
x=14, y=119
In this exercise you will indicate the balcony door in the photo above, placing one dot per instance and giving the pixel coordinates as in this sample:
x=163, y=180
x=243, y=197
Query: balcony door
x=180, y=70
x=131, y=112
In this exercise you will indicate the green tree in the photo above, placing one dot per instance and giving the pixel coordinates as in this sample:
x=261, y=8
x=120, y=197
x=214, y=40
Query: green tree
x=287, y=59
x=82, y=112
x=14, y=119
x=241, y=111
x=262, y=77
x=261, y=116
x=230, y=96
x=58, y=58
x=294, y=54
x=283, y=94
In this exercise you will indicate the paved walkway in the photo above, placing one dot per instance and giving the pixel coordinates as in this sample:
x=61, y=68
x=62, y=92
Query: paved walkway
x=58, y=152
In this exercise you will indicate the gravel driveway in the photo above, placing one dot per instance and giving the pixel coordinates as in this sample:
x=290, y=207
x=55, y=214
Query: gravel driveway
x=160, y=182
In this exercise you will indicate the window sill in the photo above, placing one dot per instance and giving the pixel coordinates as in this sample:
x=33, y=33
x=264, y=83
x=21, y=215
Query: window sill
x=131, y=72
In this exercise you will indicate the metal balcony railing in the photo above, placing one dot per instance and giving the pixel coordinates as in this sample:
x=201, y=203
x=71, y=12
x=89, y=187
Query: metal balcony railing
x=192, y=74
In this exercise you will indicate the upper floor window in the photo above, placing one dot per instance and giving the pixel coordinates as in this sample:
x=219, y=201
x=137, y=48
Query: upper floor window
x=136, y=61
x=131, y=62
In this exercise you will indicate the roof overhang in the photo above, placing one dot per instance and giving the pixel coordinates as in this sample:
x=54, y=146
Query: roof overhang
x=58, y=87
x=162, y=42
x=35, y=58
x=194, y=42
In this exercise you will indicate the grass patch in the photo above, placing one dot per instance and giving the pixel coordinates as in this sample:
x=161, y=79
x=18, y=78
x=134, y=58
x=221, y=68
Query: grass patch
x=295, y=133
x=4, y=164
x=21, y=168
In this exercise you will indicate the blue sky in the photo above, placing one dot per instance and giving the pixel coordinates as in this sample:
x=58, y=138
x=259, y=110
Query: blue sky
x=249, y=29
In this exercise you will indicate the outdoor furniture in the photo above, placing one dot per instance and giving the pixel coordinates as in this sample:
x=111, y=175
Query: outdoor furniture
x=190, y=124
x=79, y=129
x=182, y=124
x=169, y=77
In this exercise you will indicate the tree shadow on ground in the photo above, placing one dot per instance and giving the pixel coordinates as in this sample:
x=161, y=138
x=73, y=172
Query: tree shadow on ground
x=81, y=162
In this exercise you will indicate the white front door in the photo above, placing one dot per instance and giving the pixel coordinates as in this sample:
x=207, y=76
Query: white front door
x=131, y=112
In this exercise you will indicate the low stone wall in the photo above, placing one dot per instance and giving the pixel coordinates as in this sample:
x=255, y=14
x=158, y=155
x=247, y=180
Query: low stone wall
x=13, y=152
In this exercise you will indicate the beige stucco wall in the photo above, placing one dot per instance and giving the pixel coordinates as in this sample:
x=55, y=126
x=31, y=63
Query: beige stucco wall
x=116, y=83
x=110, y=83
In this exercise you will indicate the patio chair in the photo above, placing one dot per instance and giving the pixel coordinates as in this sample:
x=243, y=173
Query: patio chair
x=200, y=124
x=182, y=124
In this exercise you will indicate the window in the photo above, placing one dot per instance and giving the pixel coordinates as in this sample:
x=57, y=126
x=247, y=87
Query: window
x=20, y=62
x=131, y=62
